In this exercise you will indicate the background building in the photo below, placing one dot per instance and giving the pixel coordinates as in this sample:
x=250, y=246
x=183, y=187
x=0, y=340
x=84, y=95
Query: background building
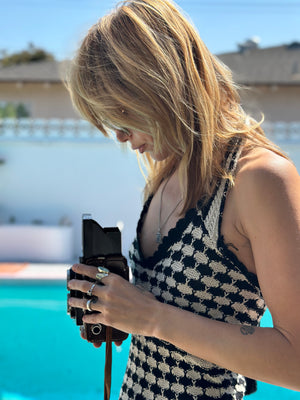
x=39, y=87
x=272, y=78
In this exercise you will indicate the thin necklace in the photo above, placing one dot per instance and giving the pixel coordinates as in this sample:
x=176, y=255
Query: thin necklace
x=161, y=225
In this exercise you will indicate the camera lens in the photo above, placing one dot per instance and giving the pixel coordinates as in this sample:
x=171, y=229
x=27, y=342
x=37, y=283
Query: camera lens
x=96, y=329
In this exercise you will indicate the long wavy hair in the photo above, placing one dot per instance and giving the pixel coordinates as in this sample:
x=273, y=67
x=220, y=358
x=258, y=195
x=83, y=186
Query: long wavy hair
x=144, y=67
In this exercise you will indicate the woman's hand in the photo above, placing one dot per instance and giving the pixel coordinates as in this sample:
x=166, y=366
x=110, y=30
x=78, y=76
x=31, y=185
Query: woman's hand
x=119, y=303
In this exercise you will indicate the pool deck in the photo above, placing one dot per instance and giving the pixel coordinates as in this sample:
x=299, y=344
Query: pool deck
x=33, y=271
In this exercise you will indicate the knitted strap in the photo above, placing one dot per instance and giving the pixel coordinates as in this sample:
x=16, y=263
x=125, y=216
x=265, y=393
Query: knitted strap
x=213, y=217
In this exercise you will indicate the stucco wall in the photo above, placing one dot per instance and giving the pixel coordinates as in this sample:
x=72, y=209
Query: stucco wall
x=43, y=100
x=49, y=181
x=277, y=103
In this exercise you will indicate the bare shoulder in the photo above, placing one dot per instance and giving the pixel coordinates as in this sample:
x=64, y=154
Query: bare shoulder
x=267, y=194
x=262, y=165
x=265, y=176
x=267, y=199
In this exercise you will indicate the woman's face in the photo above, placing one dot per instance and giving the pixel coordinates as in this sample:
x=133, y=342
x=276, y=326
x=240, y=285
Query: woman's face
x=141, y=142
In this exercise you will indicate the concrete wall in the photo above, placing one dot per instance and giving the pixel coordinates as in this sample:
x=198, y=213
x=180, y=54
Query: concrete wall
x=50, y=181
x=43, y=100
x=51, y=100
x=277, y=103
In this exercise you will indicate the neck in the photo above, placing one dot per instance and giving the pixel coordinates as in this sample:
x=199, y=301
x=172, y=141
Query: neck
x=170, y=200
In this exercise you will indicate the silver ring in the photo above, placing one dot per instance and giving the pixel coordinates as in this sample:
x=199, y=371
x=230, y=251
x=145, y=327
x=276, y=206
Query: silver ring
x=90, y=291
x=101, y=275
x=88, y=305
x=103, y=270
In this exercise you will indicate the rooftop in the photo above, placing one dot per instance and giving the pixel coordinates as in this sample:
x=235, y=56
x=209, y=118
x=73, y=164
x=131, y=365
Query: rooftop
x=251, y=65
x=37, y=72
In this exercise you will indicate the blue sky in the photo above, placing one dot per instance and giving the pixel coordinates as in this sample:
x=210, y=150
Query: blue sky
x=58, y=25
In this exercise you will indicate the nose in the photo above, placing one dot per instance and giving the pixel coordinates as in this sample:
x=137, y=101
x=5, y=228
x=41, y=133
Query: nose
x=122, y=136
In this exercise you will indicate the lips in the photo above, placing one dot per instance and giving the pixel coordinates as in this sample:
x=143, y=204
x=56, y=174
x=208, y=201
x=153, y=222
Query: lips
x=141, y=148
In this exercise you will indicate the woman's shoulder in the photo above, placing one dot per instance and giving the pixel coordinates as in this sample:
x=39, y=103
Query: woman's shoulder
x=265, y=182
x=267, y=205
x=260, y=166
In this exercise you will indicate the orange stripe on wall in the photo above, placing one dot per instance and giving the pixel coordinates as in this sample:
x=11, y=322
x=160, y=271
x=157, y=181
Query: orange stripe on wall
x=12, y=267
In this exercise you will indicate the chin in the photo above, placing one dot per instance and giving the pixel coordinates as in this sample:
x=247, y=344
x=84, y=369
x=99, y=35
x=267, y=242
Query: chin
x=158, y=156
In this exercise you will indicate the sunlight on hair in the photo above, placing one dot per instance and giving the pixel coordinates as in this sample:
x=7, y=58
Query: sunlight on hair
x=144, y=67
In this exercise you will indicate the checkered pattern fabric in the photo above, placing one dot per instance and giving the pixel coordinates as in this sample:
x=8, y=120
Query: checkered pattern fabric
x=194, y=270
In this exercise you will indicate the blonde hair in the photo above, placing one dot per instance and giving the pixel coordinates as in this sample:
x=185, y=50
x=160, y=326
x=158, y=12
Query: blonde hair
x=144, y=67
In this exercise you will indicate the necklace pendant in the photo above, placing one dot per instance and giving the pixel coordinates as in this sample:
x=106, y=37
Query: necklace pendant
x=158, y=236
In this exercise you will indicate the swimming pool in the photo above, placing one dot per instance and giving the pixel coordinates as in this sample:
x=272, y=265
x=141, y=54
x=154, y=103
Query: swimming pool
x=42, y=356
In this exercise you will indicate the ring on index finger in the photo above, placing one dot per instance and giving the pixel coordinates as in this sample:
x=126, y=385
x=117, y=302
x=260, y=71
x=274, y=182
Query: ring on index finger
x=101, y=275
x=103, y=272
x=90, y=291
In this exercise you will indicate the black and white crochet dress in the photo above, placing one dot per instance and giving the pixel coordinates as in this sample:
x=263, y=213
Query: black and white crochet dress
x=194, y=270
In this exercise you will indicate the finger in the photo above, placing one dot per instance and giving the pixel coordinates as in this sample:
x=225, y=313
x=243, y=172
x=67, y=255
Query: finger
x=97, y=344
x=82, y=303
x=92, y=272
x=85, y=287
x=87, y=270
x=96, y=318
x=118, y=343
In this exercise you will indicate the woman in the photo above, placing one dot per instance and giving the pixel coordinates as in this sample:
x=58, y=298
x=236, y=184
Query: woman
x=218, y=238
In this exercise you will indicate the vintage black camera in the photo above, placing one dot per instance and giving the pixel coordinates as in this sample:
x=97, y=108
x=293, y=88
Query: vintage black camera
x=100, y=247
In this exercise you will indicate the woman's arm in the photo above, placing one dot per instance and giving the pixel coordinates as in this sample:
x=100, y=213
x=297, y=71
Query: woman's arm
x=269, y=210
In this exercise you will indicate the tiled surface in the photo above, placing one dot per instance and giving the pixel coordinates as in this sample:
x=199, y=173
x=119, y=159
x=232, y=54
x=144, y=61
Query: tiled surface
x=28, y=271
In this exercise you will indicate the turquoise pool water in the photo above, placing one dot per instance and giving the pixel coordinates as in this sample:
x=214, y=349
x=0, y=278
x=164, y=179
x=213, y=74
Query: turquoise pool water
x=42, y=356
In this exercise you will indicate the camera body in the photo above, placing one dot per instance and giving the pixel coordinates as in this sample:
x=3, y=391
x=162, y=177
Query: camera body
x=100, y=247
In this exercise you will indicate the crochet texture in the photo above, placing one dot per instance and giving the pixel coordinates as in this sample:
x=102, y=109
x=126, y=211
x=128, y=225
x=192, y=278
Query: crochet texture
x=194, y=270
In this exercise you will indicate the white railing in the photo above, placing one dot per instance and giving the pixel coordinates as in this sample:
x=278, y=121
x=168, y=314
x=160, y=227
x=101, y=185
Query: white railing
x=45, y=130
x=288, y=132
